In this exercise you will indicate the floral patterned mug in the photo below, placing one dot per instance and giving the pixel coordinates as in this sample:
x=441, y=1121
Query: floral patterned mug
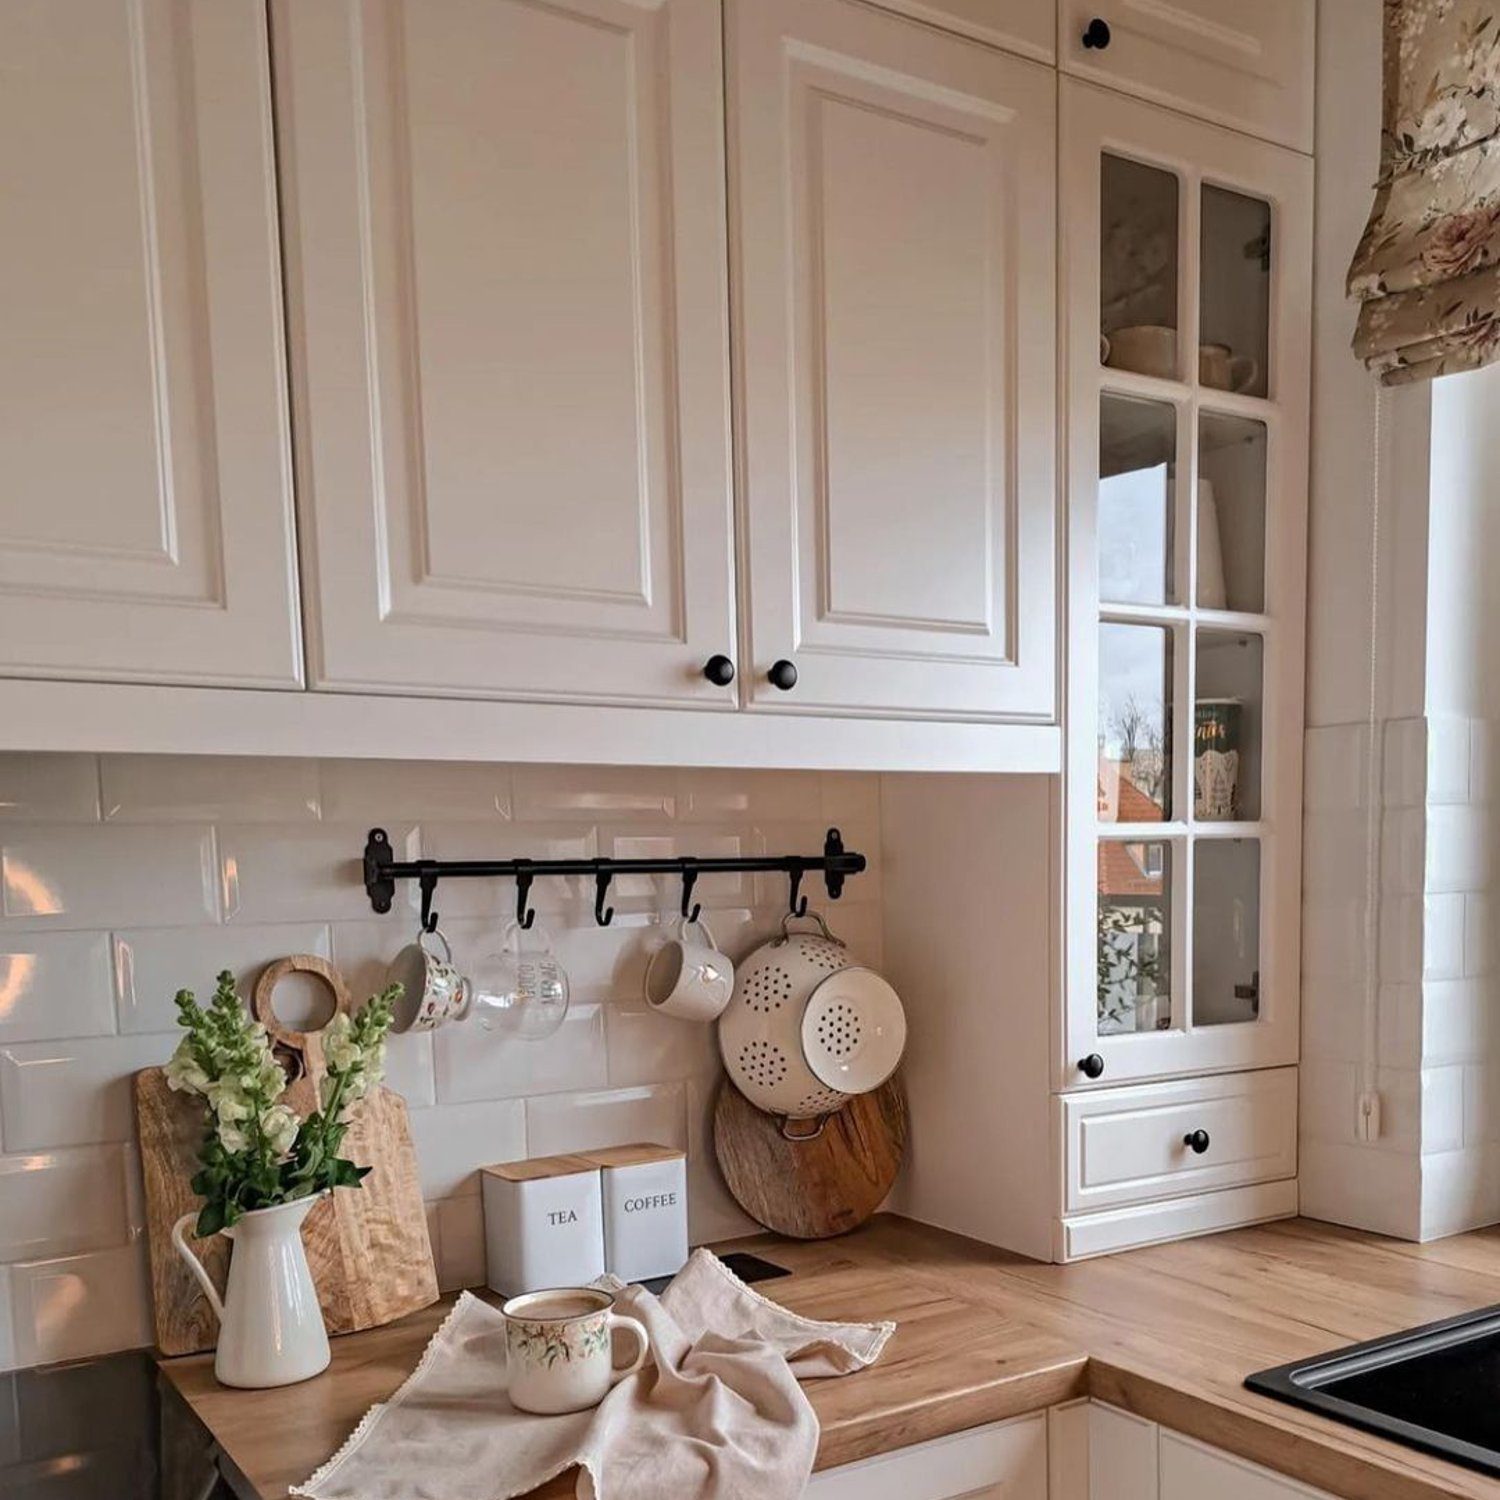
x=559, y=1345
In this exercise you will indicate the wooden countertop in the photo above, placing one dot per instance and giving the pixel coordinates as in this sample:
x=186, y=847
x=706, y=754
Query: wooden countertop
x=1169, y=1332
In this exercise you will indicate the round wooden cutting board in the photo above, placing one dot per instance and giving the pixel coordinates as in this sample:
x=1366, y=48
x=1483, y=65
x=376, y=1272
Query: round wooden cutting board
x=812, y=1189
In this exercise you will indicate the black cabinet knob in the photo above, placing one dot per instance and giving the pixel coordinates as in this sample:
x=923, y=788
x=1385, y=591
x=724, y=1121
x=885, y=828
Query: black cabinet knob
x=1091, y=1066
x=1096, y=34
x=1196, y=1141
x=782, y=675
x=719, y=670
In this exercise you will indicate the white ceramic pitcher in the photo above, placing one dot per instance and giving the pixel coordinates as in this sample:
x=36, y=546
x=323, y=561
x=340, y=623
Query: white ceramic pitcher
x=270, y=1325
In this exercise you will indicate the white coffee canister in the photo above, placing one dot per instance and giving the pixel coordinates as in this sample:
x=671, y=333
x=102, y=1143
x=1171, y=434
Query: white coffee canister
x=645, y=1210
x=543, y=1224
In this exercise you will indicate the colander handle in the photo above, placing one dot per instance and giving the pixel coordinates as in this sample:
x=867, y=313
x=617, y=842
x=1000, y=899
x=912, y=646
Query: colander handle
x=795, y=1135
x=811, y=916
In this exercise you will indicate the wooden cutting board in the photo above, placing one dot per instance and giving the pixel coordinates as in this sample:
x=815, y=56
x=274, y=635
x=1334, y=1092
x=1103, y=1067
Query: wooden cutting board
x=811, y=1189
x=368, y=1248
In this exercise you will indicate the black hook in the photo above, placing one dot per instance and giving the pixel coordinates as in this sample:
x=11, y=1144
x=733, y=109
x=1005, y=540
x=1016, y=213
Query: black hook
x=689, y=880
x=525, y=915
x=798, y=909
x=602, y=879
x=428, y=880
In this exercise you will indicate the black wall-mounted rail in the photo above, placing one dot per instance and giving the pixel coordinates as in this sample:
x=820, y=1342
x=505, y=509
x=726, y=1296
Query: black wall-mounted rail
x=383, y=870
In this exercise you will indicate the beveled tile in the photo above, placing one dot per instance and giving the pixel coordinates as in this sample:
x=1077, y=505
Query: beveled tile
x=461, y=1231
x=8, y=1357
x=647, y=1047
x=496, y=899
x=48, y=788
x=208, y=789
x=851, y=797
x=746, y=796
x=612, y=1117
x=73, y=1093
x=74, y=877
x=151, y=964
x=409, y=1068
x=594, y=794
x=455, y=1140
x=54, y=984
x=63, y=1202
x=473, y=1063
x=77, y=1305
x=373, y=792
x=664, y=892
x=712, y=1212
x=280, y=872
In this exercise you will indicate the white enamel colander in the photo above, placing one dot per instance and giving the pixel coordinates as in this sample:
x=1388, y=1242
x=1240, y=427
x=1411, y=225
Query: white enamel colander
x=807, y=1027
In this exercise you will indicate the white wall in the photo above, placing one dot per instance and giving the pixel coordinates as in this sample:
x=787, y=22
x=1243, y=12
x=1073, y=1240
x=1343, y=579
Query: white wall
x=1430, y=1045
x=125, y=878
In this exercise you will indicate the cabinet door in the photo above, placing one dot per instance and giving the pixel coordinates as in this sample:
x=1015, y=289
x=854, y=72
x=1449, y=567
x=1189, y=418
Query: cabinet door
x=1003, y=1461
x=1188, y=260
x=509, y=341
x=1249, y=65
x=892, y=237
x=1025, y=26
x=146, y=508
x=1191, y=1470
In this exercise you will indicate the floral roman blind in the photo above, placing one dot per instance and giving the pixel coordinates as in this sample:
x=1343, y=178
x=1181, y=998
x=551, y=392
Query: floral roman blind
x=1427, y=270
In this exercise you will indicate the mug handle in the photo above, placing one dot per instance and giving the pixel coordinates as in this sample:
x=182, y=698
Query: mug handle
x=702, y=925
x=1105, y=348
x=1243, y=371
x=195, y=1265
x=634, y=1325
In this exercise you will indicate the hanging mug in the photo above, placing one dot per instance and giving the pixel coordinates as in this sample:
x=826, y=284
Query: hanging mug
x=688, y=977
x=522, y=989
x=432, y=989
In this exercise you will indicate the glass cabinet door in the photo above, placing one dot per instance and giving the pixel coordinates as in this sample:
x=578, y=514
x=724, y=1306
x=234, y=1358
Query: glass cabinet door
x=1186, y=284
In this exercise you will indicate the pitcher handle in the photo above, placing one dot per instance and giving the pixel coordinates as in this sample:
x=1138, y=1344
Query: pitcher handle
x=196, y=1266
x=634, y=1326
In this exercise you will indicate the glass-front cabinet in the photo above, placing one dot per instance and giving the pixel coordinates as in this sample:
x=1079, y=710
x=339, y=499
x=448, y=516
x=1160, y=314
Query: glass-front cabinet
x=1187, y=297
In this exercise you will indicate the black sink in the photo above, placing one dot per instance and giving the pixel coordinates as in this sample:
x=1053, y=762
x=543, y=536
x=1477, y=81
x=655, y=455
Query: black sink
x=1436, y=1387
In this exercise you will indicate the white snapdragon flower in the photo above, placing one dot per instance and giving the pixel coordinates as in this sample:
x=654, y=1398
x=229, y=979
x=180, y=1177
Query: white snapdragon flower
x=184, y=1072
x=232, y=1138
x=279, y=1126
x=339, y=1046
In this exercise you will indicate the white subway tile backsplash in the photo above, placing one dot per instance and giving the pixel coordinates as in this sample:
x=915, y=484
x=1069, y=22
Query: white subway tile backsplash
x=1484, y=774
x=1460, y=1191
x=107, y=877
x=74, y=1092
x=461, y=1235
x=194, y=865
x=286, y=872
x=615, y=1117
x=1403, y=854
x=1444, y=938
x=1404, y=766
x=375, y=792
x=151, y=964
x=1444, y=1123
x=1480, y=1088
x=745, y=797
x=76, y=1305
x=409, y=1068
x=48, y=788
x=208, y=789
x=454, y=1141
x=1334, y=853
x=648, y=1047
x=62, y=1202
x=1328, y=1093
x=1334, y=767
x=1481, y=954
x=474, y=1064
x=54, y=984
x=1399, y=1019
x=1458, y=850
x=1333, y=937
x=594, y=794
x=1459, y=1020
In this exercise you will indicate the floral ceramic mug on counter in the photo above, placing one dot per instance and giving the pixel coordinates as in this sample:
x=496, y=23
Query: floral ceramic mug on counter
x=559, y=1347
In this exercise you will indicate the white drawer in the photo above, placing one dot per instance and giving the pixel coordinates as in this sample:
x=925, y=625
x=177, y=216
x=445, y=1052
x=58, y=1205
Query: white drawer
x=1025, y=26
x=1128, y=1145
x=1246, y=65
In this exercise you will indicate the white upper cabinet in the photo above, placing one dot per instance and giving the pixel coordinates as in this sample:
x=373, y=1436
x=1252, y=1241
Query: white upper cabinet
x=1243, y=63
x=892, y=207
x=146, y=508
x=507, y=289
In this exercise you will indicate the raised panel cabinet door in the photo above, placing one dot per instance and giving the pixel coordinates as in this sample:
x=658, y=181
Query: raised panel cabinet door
x=1243, y=64
x=509, y=343
x=146, y=506
x=1025, y=26
x=892, y=201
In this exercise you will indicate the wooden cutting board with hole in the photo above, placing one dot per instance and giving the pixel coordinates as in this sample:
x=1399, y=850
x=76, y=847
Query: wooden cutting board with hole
x=367, y=1247
x=816, y=1188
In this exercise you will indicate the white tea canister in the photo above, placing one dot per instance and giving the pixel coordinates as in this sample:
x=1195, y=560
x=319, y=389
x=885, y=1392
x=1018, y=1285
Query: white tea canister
x=645, y=1210
x=543, y=1224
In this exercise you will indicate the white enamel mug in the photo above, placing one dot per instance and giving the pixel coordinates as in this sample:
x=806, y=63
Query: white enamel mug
x=559, y=1348
x=689, y=978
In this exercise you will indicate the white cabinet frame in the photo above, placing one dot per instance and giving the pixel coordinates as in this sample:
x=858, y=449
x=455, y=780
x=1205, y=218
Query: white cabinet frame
x=1095, y=121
